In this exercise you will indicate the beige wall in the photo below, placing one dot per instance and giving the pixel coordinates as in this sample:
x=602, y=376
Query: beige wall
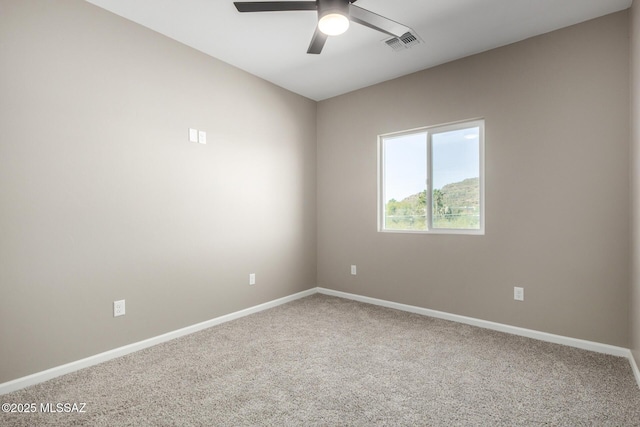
x=103, y=198
x=634, y=318
x=557, y=186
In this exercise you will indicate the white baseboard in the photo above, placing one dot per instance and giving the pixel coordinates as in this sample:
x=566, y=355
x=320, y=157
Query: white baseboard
x=634, y=367
x=39, y=377
x=529, y=333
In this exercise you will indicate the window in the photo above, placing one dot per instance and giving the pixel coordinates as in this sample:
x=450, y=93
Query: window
x=431, y=180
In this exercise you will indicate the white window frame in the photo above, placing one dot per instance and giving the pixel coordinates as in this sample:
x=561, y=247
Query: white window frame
x=430, y=131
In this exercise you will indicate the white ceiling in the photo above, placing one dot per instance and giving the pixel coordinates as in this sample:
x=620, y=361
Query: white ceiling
x=273, y=45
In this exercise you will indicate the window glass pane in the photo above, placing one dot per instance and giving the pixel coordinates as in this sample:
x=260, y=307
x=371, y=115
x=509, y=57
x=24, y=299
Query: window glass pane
x=455, y=158
x=405, y=174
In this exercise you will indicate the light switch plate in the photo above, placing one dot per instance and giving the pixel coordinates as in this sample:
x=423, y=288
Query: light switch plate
x=193, y=135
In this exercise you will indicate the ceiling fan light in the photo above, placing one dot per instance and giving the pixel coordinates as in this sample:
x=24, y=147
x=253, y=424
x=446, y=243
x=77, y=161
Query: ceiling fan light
x=333, y=24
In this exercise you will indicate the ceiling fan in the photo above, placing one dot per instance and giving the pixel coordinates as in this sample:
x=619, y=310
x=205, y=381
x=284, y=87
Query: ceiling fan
x=333, y=17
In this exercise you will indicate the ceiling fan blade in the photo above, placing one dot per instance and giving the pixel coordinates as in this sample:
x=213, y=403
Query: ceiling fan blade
x=377, y=22
x=317, y=42
x=274, y=6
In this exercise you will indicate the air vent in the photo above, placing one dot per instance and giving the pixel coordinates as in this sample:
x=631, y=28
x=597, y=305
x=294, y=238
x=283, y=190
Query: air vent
x=395, y=44
x=406, y=41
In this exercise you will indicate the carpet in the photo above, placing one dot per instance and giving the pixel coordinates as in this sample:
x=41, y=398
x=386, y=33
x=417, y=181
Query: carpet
x=327, y=361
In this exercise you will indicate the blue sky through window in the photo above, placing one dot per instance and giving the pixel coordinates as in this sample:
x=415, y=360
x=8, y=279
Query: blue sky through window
x=405, y=163
x=456, y=156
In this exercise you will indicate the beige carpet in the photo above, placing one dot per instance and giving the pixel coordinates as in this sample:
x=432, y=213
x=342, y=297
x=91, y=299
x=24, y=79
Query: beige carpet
x=328, y=361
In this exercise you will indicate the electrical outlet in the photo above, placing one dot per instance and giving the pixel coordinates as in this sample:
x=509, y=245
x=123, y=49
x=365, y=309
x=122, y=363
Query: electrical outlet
x=118, y=308
x=252, y=279
x=518, y=293
x=353, y=270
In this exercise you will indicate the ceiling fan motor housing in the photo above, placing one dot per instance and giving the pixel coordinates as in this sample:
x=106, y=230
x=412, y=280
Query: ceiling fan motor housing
x=326, y=7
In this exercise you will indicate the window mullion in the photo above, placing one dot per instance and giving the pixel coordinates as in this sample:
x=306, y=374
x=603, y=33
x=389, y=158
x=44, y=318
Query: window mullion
x=429, y=192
